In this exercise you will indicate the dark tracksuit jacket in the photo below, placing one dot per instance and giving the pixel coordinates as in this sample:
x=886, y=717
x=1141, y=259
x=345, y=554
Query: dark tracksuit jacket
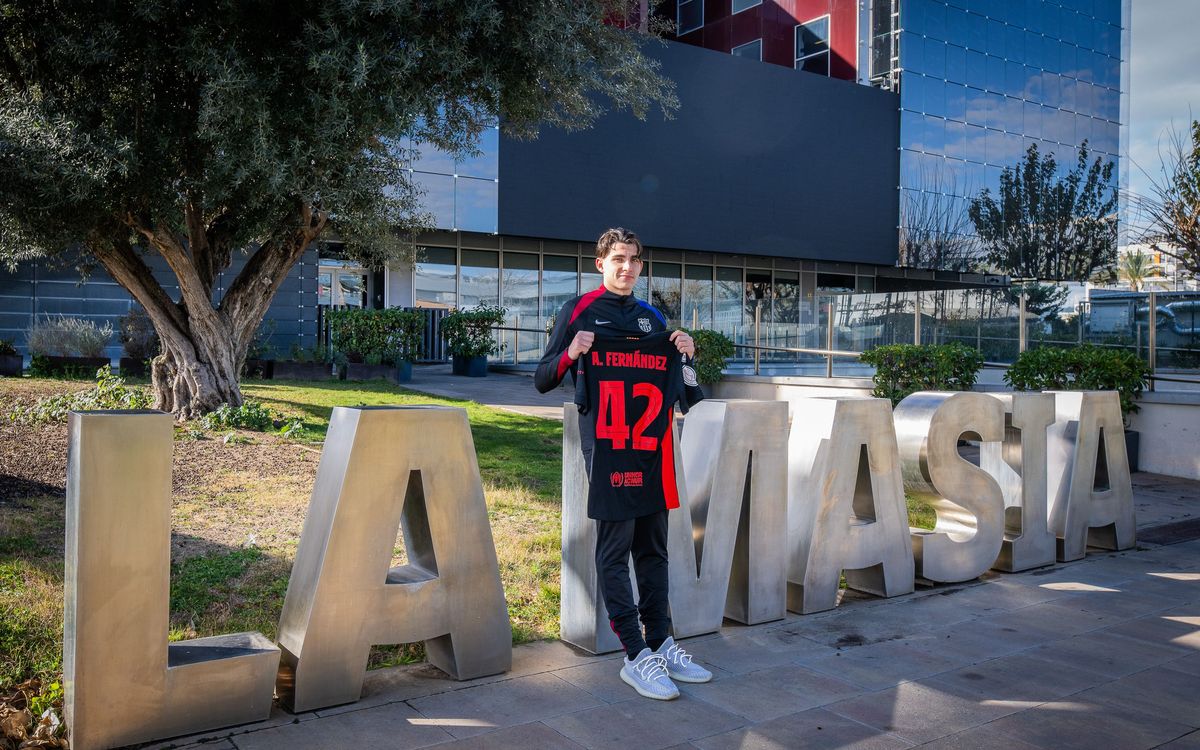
x=606, y=313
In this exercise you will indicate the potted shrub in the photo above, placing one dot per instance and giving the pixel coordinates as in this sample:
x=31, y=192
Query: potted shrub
x=712, y=349
x=10, y=360
x=904, y=369
x=140, y=342
x=1086, y=368
x=67, y=347
x=470, y=338
x=303, y=364
x=377, y=343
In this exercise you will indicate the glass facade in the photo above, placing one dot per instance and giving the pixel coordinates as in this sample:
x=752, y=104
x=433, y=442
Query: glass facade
x=461, y=194
x=983, y=80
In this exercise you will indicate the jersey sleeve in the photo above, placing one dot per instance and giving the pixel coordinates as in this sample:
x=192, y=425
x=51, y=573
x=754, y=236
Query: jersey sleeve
x=555, y=363
x=692, y=393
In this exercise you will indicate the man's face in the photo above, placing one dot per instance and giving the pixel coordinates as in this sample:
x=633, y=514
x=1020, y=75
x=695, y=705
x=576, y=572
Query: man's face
x=621, y=268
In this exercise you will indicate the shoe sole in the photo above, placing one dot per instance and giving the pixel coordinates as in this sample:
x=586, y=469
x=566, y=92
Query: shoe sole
x=693, y=680
x=646, y=693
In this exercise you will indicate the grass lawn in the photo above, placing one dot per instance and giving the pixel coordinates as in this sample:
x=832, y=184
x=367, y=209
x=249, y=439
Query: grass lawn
x=239, y=499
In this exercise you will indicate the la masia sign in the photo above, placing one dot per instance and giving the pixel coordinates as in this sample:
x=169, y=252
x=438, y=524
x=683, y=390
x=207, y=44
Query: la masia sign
x=774, y=508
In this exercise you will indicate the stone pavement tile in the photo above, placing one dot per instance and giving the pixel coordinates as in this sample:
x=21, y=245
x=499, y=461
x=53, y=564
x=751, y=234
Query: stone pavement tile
x=878, y=621
x=532, y=736
x=395, y=726
x=206, y=745
x=1189, y=664
x=1178, y=631
x=1019, y=678
x=278, y=717
x=883, y=665
x=1106, y=653
x=406, y=682
x=770, y=693
x=814, y=729
x=1074, y=724
x=738, y=654
x=603, y=679
x=977, y=640
x=921, y=711
x=1127, y=602
x=1003, y=594
x=1084, y=571
x=1180, y=585
x=1189, y=741
x=644, y=724
x=982, y=737
x=1157, y=691
x=476, y=710
x=1042, y=623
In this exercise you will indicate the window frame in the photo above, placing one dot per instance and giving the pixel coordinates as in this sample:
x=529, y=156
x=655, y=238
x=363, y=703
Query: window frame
x=797, y=59
x=744, y=9
x=679, y=30
x=747, y=44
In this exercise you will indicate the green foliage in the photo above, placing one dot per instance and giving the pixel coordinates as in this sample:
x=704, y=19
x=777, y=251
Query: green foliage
x=1172, y=210
x=60, y=336
x=52, y=695
x=1043, y=226
x=386, y=336
x=137, y=335
x=251, y=415
x=1081, y=368
x=200, y=581
x=903, y=369
x=7, y=348
x=469, y=333
x=110, y=393
x=712, y=349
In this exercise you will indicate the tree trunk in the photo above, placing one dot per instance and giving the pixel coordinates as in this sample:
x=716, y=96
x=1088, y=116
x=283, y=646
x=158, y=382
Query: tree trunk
x=189, y=384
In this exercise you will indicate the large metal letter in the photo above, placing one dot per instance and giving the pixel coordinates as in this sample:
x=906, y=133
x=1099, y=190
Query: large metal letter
x=583, y=620
x=1090, y=491
x=728, y=540
x=1019, y=466
x=124, y=683
x=969, y=504
x=383, y=468
x=846, y=508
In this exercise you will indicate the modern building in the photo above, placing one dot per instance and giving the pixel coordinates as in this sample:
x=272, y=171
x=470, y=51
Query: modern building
x=817, y=143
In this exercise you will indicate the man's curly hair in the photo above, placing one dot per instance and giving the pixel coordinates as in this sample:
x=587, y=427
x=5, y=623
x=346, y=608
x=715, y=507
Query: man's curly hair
x=615, y=236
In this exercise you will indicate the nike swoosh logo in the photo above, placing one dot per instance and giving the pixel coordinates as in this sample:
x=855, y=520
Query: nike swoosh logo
x=603, y=322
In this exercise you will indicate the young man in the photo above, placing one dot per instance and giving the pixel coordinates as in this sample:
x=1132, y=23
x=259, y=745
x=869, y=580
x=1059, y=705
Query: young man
x=637, y=528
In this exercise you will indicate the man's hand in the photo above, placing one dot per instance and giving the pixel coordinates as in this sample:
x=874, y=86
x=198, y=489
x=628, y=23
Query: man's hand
x=580, y=345
x=684, y=343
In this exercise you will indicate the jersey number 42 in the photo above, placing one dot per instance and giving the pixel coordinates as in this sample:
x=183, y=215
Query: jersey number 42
x=610, y=422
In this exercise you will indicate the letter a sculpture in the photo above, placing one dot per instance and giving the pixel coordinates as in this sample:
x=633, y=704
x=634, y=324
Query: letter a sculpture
x=383, y=468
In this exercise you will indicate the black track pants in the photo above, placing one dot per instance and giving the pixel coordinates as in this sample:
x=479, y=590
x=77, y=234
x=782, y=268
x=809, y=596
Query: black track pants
x=646, y=539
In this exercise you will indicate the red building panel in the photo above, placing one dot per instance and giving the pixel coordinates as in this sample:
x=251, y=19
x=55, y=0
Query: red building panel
x=774, y=22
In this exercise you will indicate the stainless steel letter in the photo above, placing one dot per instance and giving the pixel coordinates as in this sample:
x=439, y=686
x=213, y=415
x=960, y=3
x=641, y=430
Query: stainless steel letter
x=124, y=683
x=846, y=508
x=1019, y=466
x=969, y=503
x=384, y=468
x=583, y=620
x=728, y=540
x=1090, y=491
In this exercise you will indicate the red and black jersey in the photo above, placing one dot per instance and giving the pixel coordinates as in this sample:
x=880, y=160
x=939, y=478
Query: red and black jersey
x=627, y=389
x=602, y=312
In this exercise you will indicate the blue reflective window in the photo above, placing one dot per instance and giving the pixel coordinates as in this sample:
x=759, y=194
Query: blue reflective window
x=995, y=74
x=995, y=37
x=1014, y=43
x=432, y=159
x=975, y=143
x=956, y=101
x=476, y=205
x=1033, y=49
x=487, y=163
x=976, y=36
x=1069, y=100
x=1050, y=20
x=912, y=92
x=935, y=20
x=912, y=52
x=1014, y=78
x=976, y=69
x=956, y=63
x=955, y=135
x=935, y=97
x=1068, y=59
x=935, y=58
x=910, y=176
x=438, y=198
x=1032, y=121
x=1051, y=89
x=993, y=147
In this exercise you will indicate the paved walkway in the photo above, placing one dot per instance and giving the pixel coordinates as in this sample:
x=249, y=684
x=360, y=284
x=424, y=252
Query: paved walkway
x=513, y=392
x=1100, y=653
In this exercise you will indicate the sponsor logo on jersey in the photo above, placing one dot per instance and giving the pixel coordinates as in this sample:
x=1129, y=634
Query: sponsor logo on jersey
x=689, y=376
x=603, y=322
x=644, y=324
x=625, y=479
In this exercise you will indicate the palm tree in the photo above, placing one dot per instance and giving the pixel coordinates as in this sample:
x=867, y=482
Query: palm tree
x=1137, y=267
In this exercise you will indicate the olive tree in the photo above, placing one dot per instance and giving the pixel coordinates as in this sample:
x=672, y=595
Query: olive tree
x=197, y=131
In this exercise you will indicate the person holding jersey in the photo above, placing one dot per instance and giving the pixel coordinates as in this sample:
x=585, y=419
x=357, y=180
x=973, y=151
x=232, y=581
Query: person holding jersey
x=631, y=518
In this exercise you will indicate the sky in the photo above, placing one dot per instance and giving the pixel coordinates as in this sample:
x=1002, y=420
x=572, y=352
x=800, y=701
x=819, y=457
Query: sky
x=1164, y=80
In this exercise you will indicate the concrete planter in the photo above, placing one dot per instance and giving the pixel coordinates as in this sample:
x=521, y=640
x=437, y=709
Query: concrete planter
x=401, y=373
x=10, y=365
x=471, y=367
x=288, y=370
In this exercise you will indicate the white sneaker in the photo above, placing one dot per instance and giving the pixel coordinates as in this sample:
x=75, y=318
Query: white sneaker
x=680, y=665
x=647, y=674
